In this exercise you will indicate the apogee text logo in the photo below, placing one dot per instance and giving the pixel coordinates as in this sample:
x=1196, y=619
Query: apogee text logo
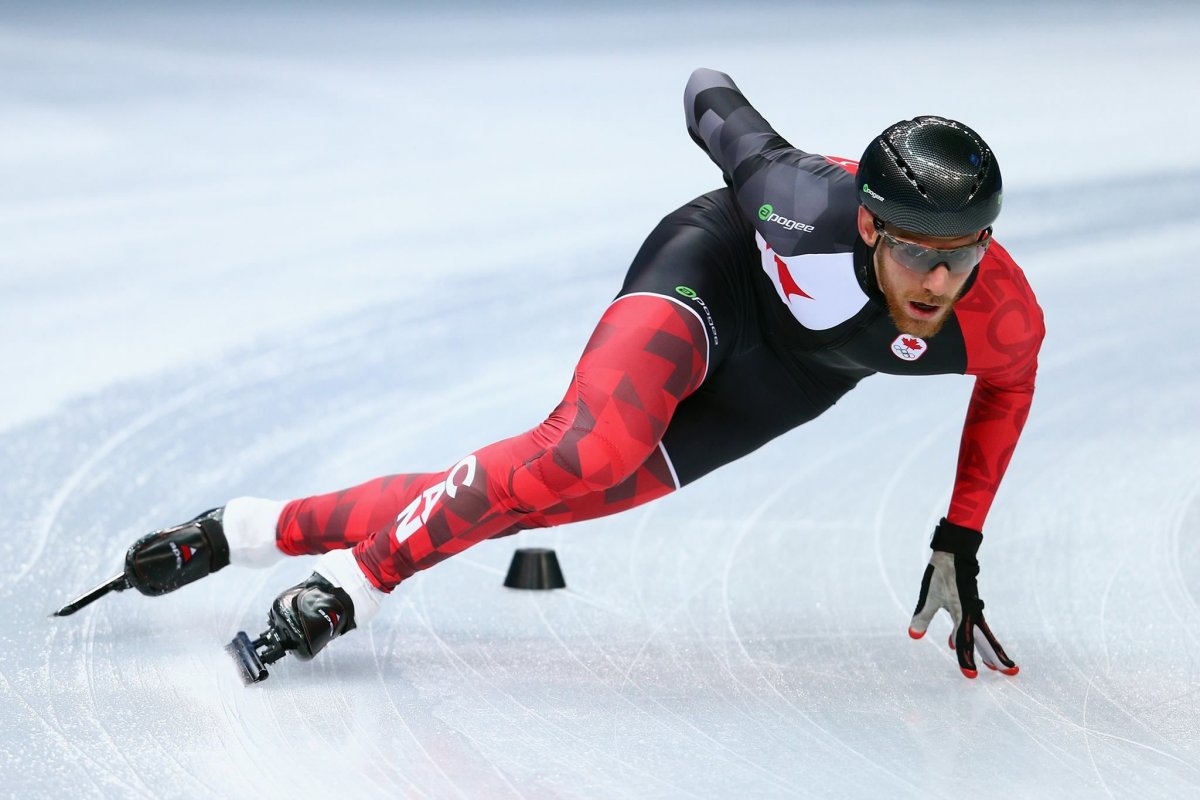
x=766, y=212
x=690, y=294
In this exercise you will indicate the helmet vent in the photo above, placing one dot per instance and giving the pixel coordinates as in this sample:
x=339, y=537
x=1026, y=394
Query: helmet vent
x=905, y=168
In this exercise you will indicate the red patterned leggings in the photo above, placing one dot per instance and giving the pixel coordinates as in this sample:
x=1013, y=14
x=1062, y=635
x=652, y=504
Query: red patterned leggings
x=596, y=454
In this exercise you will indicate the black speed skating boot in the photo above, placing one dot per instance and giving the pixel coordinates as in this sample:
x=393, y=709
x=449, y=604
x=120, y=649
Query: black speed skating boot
x=301, y=621
x=310, y=615
x=165, y=560
x=162, y=561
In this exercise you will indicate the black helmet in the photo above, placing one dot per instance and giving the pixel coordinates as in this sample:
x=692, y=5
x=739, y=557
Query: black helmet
x=931, y=175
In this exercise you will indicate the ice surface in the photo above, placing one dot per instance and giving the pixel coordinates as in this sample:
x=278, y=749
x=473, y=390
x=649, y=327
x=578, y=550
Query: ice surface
x=276, y=250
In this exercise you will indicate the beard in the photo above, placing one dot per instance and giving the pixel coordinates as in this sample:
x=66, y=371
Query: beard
x=897, y=304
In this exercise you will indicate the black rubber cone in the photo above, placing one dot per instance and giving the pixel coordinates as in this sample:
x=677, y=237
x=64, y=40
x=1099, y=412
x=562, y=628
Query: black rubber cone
x=535, y=568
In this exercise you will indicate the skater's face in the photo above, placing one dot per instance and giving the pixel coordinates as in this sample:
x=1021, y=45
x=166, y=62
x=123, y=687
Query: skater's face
x=918, y=302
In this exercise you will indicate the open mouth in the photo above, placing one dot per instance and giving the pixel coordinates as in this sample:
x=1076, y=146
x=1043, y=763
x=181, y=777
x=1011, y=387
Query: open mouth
x=922, y=310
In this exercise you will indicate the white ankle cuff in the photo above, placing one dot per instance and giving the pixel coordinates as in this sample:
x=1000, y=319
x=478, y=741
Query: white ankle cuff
x=250, y=530
x=341, y=568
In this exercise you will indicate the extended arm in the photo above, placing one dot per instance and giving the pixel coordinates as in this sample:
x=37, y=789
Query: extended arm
x=721, y=120
x=995, y=419
x=798, y=202
x=1003, y=326
x=1003, y=329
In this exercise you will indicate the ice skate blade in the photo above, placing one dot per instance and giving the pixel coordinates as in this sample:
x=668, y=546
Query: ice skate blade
x=250, y=666
x=117, y=583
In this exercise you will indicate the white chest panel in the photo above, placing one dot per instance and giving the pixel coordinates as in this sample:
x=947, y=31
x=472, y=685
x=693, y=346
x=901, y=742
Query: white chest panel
x=820, y=290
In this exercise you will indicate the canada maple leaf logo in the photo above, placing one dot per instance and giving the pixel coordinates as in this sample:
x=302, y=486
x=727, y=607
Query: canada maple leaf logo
x=908, y=347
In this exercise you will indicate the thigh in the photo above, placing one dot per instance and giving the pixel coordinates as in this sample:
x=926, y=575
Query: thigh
x=701, y=257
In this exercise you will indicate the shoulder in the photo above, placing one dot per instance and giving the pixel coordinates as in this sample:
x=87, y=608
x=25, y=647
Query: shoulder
x=802, y=203
x=1002, y=323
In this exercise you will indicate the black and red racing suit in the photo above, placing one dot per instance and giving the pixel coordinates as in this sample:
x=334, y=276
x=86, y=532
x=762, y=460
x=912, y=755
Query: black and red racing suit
x=747, y=312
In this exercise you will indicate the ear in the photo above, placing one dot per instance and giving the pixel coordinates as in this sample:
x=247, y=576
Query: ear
x=866, y=226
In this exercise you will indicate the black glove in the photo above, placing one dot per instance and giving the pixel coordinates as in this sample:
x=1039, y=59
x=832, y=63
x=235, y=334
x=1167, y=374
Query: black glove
x=949, y=583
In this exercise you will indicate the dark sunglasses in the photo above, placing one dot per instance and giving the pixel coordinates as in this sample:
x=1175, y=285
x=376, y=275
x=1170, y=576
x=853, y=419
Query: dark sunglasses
x=919, y=258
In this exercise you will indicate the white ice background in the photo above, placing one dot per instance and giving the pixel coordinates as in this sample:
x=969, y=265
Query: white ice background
x=281, y=249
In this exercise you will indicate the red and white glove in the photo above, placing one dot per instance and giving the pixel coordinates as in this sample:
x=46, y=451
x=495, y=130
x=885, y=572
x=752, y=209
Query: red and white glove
x=950, y=583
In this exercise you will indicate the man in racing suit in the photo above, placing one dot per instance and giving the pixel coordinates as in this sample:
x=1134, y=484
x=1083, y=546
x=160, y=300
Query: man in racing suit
x=747, y=312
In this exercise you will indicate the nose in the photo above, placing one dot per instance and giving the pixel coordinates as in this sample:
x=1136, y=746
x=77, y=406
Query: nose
x=937, y=280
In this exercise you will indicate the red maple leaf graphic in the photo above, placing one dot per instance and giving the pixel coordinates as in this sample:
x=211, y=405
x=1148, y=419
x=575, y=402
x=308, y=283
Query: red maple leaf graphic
x=911, y=344
x=790, y=287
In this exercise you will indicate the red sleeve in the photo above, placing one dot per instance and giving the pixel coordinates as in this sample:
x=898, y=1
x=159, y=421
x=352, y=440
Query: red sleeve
x=1003, y=330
